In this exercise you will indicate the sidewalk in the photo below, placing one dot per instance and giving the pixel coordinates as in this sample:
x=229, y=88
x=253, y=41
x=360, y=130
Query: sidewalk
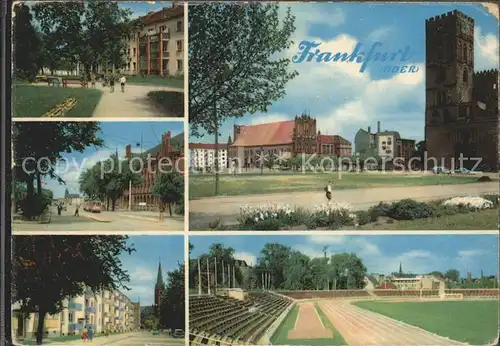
x=95, y=216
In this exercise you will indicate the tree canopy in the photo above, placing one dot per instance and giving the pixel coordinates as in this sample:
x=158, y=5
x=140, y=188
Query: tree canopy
x=169, y=187
x=47, y=270
x=172, y=304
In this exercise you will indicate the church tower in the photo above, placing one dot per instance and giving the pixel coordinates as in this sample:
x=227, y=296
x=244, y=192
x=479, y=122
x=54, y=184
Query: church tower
x=159, y=289
x=449, y=83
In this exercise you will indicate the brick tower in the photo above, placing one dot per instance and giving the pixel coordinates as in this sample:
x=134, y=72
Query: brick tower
x=460, y=117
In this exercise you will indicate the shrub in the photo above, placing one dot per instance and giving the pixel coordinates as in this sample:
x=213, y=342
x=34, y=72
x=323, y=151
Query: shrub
x=381, y=209
x=364, y=217
x=331, y=215
x=408, y=209
x=472, y=203
x=259, y=217
x=484, y=178
x=493, y=198
x=34, y=206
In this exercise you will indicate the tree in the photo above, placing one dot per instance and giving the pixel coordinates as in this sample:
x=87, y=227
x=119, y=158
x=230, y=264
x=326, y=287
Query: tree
x=89, y=33
x=169, y=187
x=232, y=66
x=26, y=43
x=297, y=272
x=47, y=270
x=36, y=155
x=452, y=275
x=274, y=257
x=348, y=271
x=172, y=313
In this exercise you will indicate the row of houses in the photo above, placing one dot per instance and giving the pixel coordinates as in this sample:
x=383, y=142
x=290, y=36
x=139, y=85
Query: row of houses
x=107, y=311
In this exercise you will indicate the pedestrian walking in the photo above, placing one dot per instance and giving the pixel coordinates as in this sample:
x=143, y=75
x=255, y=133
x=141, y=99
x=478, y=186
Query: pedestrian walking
x=123, y=80
x=59, y=209
x=328, y=190
x=84, y=335
x=90, y=334
x=77, y=210
x=112, y=84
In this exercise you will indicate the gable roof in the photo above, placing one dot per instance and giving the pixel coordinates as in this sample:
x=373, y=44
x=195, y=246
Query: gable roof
x=278, y=133
x=162, y=15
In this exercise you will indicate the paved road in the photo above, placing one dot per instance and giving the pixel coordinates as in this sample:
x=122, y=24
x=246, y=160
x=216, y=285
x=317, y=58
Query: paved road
x=133, y=103
x=106, y=221
x=131, y=339
x=205, y=210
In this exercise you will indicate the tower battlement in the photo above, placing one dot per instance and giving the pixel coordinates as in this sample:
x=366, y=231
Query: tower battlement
x=448, y=15
x=485, y=73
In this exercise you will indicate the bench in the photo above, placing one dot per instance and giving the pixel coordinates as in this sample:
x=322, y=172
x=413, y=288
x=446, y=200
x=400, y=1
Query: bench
x=67, y=82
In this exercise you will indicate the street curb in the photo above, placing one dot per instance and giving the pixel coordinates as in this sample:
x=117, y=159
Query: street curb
x=142, y=218
x=95, y=218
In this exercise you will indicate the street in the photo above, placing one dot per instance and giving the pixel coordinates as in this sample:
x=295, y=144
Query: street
x=132, y=339
x=106, y=221
x=206, y=210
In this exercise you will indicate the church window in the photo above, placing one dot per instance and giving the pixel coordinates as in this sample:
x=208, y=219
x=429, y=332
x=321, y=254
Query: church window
x=465, y=76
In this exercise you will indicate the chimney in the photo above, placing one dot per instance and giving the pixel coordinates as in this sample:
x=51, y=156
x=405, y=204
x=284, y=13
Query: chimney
x=128, y=152
x=378, y=126
x=369, y=129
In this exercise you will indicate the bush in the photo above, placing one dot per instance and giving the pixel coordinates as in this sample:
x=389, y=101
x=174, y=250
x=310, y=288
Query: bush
x=34, y=206
x=495, y=199
x=171, y=101
x=484, y=178
x=408, y=209
x=271, y=215
x=364, y=217
x=331, y=215
x=381, y=209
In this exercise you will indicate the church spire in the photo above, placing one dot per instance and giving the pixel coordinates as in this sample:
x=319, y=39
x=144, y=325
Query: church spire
x=400, y=269
x=159, y=279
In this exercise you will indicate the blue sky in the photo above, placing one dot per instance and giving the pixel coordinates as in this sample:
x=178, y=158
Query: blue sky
x=141, y=8
x=142, y=264
x=380, y=253
x=340, y=97
x=116, y=136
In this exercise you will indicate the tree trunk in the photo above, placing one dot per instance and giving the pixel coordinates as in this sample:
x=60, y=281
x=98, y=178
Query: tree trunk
x=170, y=209
x=39, y=328
x=38, y=184
x=113, y=204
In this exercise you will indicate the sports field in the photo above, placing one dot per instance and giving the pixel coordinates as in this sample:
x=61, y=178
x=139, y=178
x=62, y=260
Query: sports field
x=34, y=101
x=313, y=322
x=472, y=322
x=202, y=185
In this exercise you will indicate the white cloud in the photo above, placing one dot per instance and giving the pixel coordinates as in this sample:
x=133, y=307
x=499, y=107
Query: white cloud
x=380, y=33
x=485, y=50
x=248, y=257
x=491, y=8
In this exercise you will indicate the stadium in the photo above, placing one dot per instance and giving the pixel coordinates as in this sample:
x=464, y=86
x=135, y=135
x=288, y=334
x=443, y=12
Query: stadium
x=221, y=313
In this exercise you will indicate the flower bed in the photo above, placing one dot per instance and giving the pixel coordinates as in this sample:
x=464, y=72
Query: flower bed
x=337, y=215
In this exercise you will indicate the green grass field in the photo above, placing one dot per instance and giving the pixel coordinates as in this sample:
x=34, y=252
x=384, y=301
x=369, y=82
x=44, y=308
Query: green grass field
x=34, y=101
x=250, y=184
x=473, y=322
x=481, y=220
x=170, y=101
x=280, y=337
x=173, y=81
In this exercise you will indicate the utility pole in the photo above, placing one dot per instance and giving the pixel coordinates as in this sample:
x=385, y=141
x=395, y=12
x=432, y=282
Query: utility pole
x=215, y=287
x=223, y=281
x=199, y=277
x=229, y=276
x=234, y=276
x=208, y=275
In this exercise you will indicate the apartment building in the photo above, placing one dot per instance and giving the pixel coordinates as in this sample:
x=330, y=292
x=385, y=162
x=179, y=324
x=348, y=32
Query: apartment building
x=202, y=156
x=157, y=44
x=421, y=282
x=105, y=311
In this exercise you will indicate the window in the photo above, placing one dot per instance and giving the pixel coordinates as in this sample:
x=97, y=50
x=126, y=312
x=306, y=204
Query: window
x=179, y=45
x=135, y=49
x=465, y=76
x=179, y=65
x=71, y=317
x=179, y=26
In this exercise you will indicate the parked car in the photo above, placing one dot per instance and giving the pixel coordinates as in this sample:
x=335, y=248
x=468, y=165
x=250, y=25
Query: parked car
x=465, y=171
x=178, y=334
x=93, y=207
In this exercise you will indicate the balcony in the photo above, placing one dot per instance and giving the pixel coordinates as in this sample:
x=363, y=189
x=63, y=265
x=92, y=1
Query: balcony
x=90, y=310
x=75, y=306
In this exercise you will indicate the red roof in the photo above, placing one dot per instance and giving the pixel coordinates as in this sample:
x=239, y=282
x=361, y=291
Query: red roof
x=206, y=146
x=164, y=14
x=278, y=133
x=326, y=139
x=386, y=286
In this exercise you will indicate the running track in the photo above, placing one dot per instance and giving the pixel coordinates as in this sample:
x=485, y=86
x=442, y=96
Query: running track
x=360, y=327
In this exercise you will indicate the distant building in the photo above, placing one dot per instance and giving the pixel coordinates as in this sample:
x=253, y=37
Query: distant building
x=421, y=282
x=73, y=199
x=202, y=156
x=107, y=310
x=384, y=144
x=283, y=139
x=157, y=45
x=170, y=150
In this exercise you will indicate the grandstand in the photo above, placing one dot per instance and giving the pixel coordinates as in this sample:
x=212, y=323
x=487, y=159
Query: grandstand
x=223, y=320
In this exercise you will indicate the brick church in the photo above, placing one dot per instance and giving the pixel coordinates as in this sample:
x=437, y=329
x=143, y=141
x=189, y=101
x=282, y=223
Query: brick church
x=284, y=138
x=461, y=105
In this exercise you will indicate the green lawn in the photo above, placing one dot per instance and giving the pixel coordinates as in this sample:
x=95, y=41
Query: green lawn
x=173, y=81
x=280, y=337
x=34, y=101
x=473, y=322
x=170, y=101
x=202, y=185
x=481, y=220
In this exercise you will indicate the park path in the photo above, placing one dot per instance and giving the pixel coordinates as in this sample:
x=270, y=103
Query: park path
x=133, y=103
x=360, y=327
x=227, y=208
